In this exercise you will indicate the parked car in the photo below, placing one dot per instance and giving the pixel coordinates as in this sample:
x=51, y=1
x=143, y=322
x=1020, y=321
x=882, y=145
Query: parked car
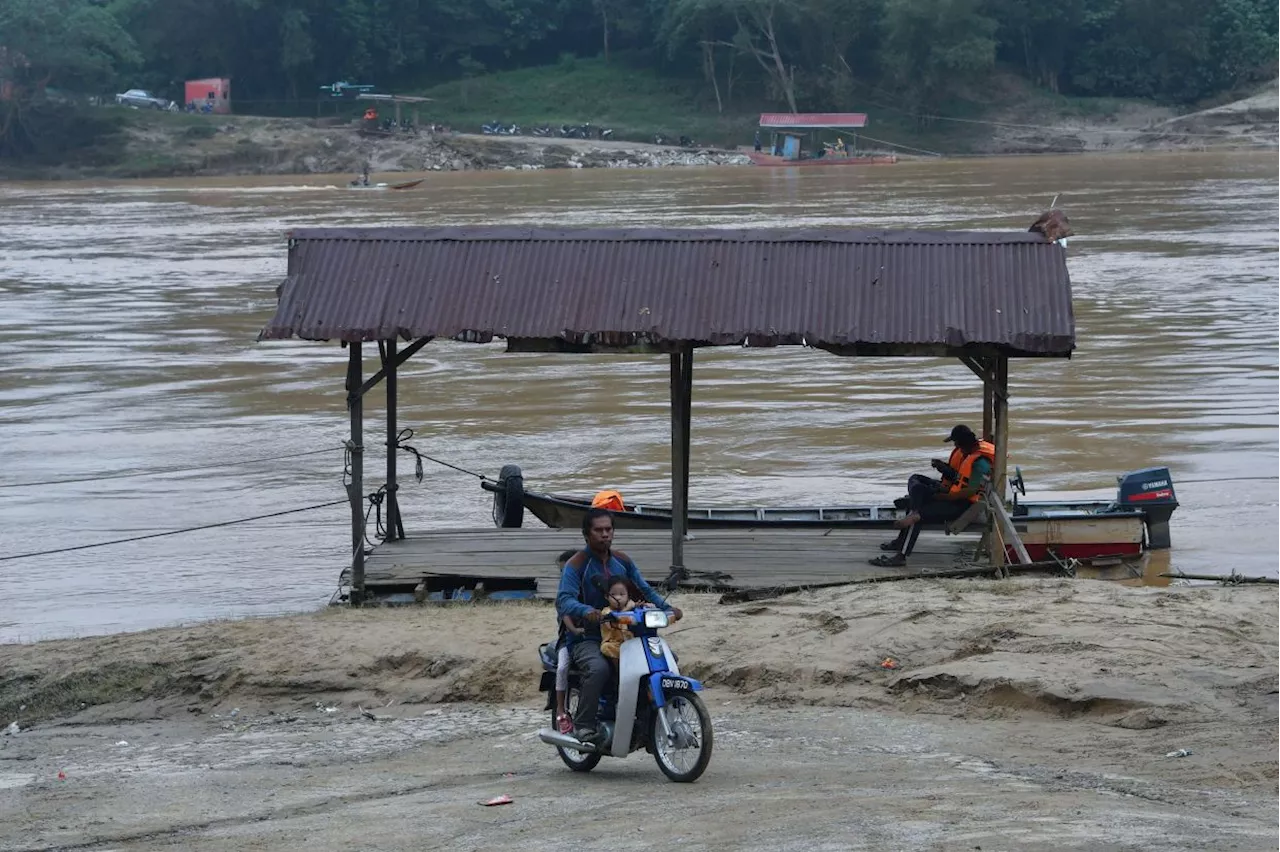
x=142, y=99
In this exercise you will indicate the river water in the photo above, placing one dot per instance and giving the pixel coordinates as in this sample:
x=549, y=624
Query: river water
x=129, y=315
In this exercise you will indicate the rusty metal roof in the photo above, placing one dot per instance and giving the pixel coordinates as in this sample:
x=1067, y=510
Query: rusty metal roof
x=813, y=119
x=853, y=292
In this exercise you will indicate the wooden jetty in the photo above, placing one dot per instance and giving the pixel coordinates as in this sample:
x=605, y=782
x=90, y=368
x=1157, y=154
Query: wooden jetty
x=715, y=560
x=983, y=298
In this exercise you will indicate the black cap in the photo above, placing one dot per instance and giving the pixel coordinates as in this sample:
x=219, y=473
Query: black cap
x=961, y=435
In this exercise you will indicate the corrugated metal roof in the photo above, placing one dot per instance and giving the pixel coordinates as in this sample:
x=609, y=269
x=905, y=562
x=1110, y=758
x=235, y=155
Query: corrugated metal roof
x=855, y=292
x=813, y=119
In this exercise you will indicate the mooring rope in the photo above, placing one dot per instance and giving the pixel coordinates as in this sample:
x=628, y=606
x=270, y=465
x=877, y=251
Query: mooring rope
x=406, y=435
x=162, y=471
x=170, y=532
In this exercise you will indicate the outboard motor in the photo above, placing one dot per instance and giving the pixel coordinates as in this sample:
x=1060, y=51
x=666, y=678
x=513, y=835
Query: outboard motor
x=1151, y=491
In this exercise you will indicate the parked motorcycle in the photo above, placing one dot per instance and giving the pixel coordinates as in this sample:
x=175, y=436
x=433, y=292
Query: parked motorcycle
x=651, y=706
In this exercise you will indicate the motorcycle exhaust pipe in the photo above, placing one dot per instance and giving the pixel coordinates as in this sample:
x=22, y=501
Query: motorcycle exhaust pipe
x=555, y=738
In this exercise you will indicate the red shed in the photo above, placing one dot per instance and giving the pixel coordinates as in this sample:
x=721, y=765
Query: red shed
x=215, y=93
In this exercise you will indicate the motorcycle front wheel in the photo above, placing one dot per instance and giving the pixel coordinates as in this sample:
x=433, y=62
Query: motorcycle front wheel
x=683, y=756
x=576, y=760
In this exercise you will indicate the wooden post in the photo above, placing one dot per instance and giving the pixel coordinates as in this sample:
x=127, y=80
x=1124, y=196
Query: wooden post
x=681, y=374
x=988, y=397
x=686, y=379
x=1000, y=412
x=395, y=529
x=355, y=488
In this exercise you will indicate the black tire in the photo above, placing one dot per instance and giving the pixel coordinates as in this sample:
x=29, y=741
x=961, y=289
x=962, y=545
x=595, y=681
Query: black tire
x=508, y=503
x=575, y=760
x=707, y=739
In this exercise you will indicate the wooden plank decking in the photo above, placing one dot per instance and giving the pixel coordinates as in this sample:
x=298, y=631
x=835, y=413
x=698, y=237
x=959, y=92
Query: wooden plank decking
x=721, y=559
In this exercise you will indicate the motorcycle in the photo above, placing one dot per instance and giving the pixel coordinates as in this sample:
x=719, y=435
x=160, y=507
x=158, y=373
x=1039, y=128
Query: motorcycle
x=651, y=706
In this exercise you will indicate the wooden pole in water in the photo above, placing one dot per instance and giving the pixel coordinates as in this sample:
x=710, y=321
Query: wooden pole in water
x=395, y=530
x=355, y=488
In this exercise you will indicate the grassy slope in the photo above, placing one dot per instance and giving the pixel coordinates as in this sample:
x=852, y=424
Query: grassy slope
x=636, y=103
x=639, y=102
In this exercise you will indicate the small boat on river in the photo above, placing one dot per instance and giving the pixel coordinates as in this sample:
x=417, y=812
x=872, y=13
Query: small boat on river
x=1135, y=521
x=355, y=184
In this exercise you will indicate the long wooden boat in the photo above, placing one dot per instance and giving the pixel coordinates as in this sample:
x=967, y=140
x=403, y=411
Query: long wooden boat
x=760, y=158
x=1137, y=520
x=406, y=185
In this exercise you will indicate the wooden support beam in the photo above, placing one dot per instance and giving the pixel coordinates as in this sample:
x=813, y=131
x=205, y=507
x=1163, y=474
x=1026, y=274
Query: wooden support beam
x=681, y=395
x=686, y=379
x=988, y=413
x=355, y=487
x=1008, y=532
x=996, y=490
x=395, y=529
x=404, y=355
x=1000, y=418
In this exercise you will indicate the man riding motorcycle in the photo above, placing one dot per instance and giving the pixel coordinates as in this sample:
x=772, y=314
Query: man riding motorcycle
x=583, y=586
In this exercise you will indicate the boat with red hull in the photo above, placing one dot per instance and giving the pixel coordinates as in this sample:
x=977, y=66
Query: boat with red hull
x=762, y=159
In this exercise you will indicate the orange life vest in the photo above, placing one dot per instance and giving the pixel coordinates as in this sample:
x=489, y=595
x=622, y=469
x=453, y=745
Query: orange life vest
x=611, y=500
x=985, y=450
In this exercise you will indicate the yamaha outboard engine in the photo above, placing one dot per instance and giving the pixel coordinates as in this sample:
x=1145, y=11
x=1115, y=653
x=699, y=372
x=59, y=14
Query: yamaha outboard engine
x=1151, y=491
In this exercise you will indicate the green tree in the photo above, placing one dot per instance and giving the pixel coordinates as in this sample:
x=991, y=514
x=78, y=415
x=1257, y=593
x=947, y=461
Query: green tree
x=757, y=29
x=930, y=47
x=70, y=44
x=297, y=49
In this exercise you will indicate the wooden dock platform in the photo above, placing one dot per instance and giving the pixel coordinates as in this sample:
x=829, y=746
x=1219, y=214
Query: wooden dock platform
x=523, y=560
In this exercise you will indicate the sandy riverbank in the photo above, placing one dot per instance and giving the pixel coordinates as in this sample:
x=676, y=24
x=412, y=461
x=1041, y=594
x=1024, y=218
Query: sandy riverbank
x=162, y=145
x=1048, y=705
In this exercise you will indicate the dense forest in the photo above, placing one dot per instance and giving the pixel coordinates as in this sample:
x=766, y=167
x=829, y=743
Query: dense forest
x=797, y=54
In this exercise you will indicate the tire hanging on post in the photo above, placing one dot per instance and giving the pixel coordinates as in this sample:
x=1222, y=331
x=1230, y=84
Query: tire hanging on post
x=508, y=502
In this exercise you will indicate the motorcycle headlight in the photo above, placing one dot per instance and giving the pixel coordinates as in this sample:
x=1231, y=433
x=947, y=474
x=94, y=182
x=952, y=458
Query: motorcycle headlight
x=654, y=618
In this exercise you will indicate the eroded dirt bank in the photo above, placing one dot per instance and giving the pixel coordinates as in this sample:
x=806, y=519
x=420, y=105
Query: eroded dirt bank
x=1022, y=715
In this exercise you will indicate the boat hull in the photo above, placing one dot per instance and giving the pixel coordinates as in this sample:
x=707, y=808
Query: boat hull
x=1076, y=530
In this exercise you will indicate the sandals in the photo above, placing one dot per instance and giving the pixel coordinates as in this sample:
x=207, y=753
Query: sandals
x=891, y=546
x=889, y=560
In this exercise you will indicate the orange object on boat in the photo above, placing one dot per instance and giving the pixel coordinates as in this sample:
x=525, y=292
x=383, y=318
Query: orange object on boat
x=611, y=500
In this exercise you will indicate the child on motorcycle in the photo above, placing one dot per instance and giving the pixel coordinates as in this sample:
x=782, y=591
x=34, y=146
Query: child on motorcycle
x=564, y=722
x=614, y=633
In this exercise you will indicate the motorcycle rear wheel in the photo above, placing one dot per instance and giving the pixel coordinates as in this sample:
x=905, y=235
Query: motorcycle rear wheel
x=576, y=760
x=667, y=754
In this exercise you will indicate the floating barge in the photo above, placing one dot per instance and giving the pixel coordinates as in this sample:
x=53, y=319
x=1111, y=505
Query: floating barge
x=983, y=298
x=787, y=140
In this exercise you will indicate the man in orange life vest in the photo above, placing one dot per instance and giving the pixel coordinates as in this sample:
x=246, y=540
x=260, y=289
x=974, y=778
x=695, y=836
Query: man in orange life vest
x=964, y=481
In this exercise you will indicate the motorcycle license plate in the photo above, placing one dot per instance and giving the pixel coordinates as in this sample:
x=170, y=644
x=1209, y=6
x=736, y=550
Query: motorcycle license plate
x=673, y=683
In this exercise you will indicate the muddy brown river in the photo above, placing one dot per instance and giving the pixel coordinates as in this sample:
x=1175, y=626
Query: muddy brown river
x=128, y=313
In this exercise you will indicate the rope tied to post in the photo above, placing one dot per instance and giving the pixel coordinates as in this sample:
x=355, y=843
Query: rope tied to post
x=405, y=435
